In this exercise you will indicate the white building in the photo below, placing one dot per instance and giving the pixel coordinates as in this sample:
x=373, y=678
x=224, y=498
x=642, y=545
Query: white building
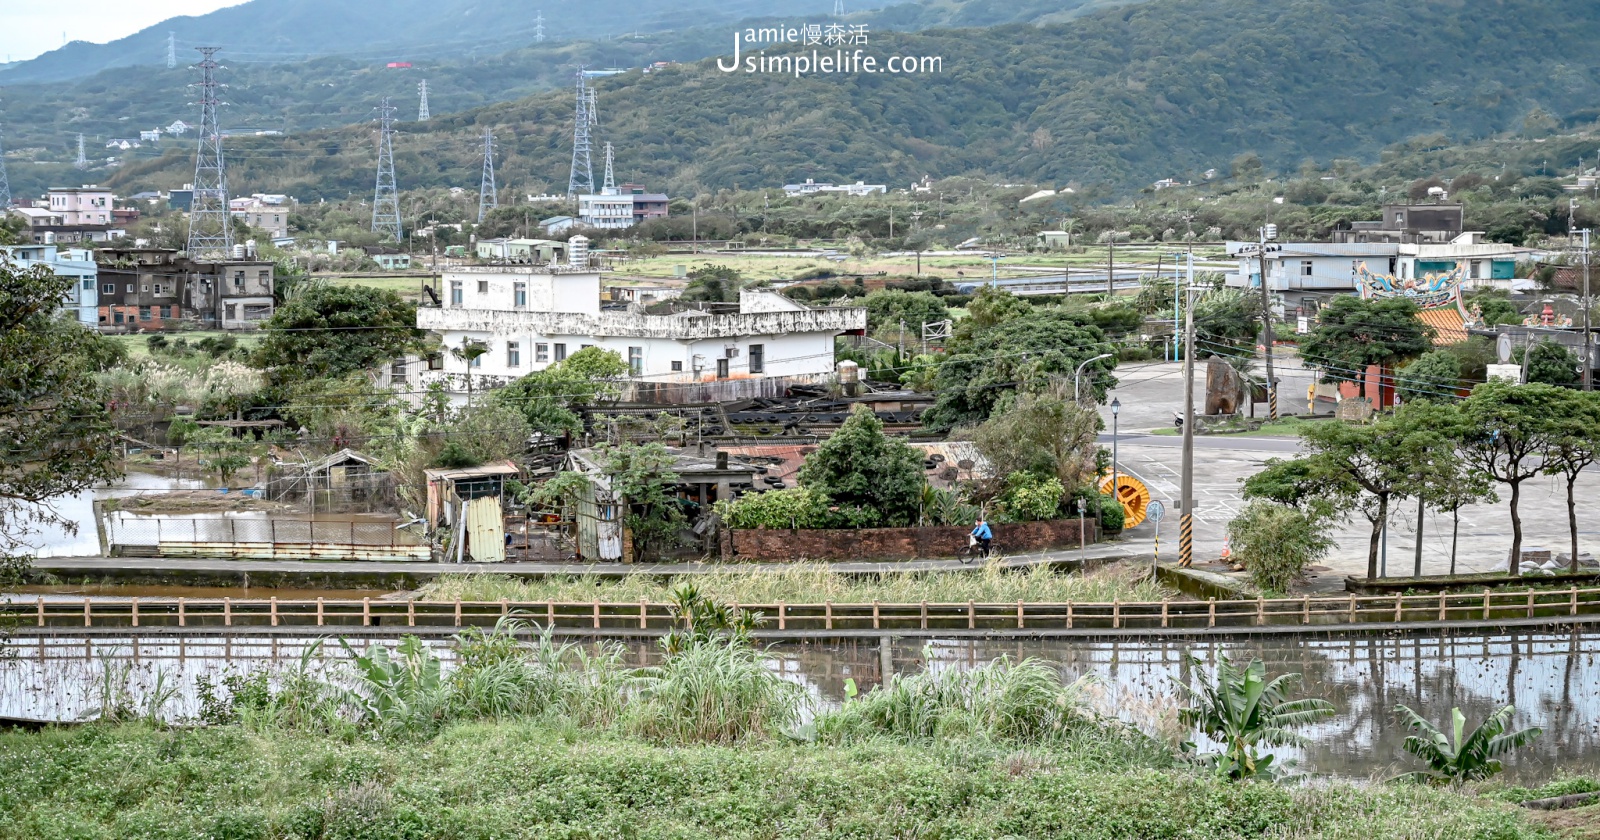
x=1306, y=274
x=530, y=317
x=611, y=209
x=812, y=187
x=82, y=300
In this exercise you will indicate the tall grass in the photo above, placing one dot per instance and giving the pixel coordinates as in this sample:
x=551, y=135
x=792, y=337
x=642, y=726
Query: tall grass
x=814, y=583
x=716, y=692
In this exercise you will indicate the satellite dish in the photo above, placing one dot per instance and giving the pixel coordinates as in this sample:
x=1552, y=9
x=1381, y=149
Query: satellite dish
x=1503, y=348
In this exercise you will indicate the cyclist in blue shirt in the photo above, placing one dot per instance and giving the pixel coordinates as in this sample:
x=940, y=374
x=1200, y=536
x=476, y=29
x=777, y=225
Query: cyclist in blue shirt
x=984, y=536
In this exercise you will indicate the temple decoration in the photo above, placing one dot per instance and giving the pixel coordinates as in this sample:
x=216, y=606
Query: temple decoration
x=1432, y=290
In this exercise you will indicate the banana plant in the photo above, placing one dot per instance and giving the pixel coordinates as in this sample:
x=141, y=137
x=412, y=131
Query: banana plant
x=1242, y=710
x=1462, y=756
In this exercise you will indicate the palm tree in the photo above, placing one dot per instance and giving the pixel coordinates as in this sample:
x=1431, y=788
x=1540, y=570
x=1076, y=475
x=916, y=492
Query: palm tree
x=1242, y=709
x=1463, y=756
x=468, y=352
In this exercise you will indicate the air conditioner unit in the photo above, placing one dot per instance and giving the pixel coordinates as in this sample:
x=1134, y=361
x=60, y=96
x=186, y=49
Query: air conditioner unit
x=730, y=352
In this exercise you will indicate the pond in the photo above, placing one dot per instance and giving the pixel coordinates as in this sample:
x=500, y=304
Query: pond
x=1552, y=678
x=56, y=541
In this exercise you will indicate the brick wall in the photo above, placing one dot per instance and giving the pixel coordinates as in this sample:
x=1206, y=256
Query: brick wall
x=901, y=543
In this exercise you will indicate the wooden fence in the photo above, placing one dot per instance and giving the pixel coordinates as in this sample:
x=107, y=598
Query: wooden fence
x=646, y=618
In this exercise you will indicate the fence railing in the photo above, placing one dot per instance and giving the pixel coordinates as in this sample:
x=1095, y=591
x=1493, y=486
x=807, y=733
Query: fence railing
x=265, y=538
x=646, y=618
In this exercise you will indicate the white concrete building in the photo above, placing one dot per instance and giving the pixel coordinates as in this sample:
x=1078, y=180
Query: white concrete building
x=530, y=317
x=611, y=209
x=1306, y=274
x=82, y=301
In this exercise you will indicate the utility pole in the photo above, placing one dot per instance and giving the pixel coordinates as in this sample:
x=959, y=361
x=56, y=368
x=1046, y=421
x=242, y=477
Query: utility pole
x=1268, y=232
x=5, y=184
x=1186, y=502
x=1111, y=266
x=82, y=162
x=385, y=194
x=1588, y=303
x=172, y=50
x=538, y=27
x=581, y=181
x=422, y=103
x=210, y=223
x=488, y=196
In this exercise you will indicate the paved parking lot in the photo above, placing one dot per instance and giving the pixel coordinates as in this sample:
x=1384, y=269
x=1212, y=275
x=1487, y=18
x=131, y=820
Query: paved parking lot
x=1150, y=393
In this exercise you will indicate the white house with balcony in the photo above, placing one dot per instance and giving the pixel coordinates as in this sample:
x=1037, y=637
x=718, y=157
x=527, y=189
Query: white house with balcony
x=527, y=318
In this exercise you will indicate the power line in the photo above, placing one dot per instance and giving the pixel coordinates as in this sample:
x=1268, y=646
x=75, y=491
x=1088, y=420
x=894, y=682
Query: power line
x=488, y=196
x=385, y=195
x=581, y=181
x=210, y=223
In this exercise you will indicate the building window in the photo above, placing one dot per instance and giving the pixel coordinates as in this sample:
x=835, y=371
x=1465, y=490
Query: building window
x=116, y=317
x=1477, y=270
x=677, y=367
x=636, y=361
x=455, y=292
x=483, y=287
x=513, y=354
x=88, y=285
x=233, y=311
x=130, y=288
x=144, y=313
x=143, y=289
x=109, y=288
x=238, y=279
x=477, y=361
x=541, y=353
x=159, y=290
x=722, y=368
x=262, y=275
x=1305, y=268
x=758, y=358
x=561, y=352
x=520, y=295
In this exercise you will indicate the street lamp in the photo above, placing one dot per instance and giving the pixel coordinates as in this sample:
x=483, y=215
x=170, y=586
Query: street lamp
x=1079, y=372
x=1116, y=406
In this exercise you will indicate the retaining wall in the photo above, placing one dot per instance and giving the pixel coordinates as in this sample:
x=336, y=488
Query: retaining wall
x=903, y=543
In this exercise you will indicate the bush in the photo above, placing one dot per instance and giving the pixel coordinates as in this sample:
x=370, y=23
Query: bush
x=714, y=693
x=1112, y=515
x=1030, y=498
x=795, y=507
x=1276, y=543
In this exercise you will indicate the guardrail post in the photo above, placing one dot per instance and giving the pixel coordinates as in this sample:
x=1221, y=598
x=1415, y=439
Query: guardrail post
x=1069, y=615
x=1530, y=603
x=1399, y=607
x=135, y=610
x=319, y=612
x=1485, y=605
x=596, y=615
x=38, y=603
x=1444, y=608
x=1261, y=611
x=875, y=623
x=1211, y=612
x=1352, y=619
x=782, y=619
x=1574, y=595
x=549, y=612
x=273, y=606
x=1019, y=615
x=227, y=612
x=972, y=616
x=366, y=612
x=505, y=608
x=1116, y=613
x=643, y=612
x=183, y=620
x=86, y=619
x=458, y=612
x=925, y=613
x=827, y=612
x=1165, y=603
x=411, y=611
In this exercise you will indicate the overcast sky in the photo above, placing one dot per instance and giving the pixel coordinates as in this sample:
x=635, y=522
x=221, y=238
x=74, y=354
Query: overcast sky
x=28, y=28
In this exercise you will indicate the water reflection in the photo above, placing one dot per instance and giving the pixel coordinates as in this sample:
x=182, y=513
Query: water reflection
x=56, y=541
x=1552, y=678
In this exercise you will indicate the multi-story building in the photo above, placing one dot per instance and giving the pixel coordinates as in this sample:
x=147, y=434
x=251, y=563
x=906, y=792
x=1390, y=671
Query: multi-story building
x=82, y=299
x=1307, y=274
x=1436, y=224
x=272, y=217
x=72, y=214
x=85, y=205
x=619, y=207
x=156, y=288
x=527, y=318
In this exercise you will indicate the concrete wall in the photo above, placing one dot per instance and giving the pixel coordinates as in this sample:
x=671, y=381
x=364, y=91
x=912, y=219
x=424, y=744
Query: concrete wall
x=902, y=543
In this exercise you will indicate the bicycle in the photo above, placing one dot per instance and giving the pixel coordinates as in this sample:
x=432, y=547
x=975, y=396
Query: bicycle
x=975, y=551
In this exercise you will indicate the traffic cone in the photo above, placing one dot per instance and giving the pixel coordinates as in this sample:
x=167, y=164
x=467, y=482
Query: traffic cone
x=1227, y=549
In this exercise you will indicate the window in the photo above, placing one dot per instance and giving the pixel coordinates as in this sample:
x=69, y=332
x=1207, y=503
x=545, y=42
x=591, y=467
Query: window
x=1477, y=270
x=88, y=285
x=130, y=288
x=159, y=290
x=483, y=287
x=262, y=275
x=397, y=373
x=1305, y=268
x=233, y=310
x=520, y=295
x=513, y=354
x=677, y=367
x=109, y=288
x=116, y=317
x=455, y=292
x=477, y=361
x=636, y=361
x=758, y=358
x=561, y=352
x=238, y=279
x=541, y=353
x=144, y=313
x=722, y=368
x=585, y=346
x=144, y=288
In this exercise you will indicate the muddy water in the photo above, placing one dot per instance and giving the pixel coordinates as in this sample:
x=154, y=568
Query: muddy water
x=1552, y=678
x=56, y=541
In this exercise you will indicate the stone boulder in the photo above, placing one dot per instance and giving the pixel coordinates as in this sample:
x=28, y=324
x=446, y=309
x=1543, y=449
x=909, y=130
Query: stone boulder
x=1225, y=389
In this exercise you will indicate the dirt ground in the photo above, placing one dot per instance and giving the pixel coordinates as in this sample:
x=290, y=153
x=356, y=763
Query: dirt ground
x=197, y=501
x=1574, y=824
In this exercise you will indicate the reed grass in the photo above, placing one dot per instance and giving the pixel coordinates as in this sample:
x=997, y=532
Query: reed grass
x=815, y=583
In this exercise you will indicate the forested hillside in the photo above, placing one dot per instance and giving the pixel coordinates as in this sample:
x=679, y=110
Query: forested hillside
x=1118, y=97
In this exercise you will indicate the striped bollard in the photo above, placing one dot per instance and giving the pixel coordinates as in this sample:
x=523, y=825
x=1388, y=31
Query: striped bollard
x=1186, y=540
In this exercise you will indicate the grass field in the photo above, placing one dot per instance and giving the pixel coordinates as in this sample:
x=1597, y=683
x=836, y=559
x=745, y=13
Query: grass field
x=138, y=345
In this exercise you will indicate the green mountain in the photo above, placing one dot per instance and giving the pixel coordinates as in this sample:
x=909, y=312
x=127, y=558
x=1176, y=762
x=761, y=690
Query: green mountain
x=392, y=30
x=1115, y=98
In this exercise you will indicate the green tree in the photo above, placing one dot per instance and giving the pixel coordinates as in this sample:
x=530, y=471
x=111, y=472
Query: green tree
x=889, y=308
x=874, y=481
x=1509, y=432
x=1276, y=543
x=478, y=434
x=548, y=398
x=1226, y=321
x=713, y=284
x=642, y=476
x=1434, y=375
x=333, y=331
x=1352, y=333
x=57, y=433
x=1494, y=307
x=1044, y=433
x=1243, y=710
x=1442, y=477
x=1551, y=364
x=1018, y=354
x=1574, y=447
x=1462, y=756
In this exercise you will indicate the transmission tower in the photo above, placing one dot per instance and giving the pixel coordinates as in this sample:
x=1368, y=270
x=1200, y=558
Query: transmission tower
x=422, y=106
x=82, y=162
x=488, y=196
x=385, y=196
x=538, y=27
x=838, y=8
x=582, y=178
x=611, y=183
x=210, y=225
x=172, y=50
x=594, y=109
x=5, y=185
